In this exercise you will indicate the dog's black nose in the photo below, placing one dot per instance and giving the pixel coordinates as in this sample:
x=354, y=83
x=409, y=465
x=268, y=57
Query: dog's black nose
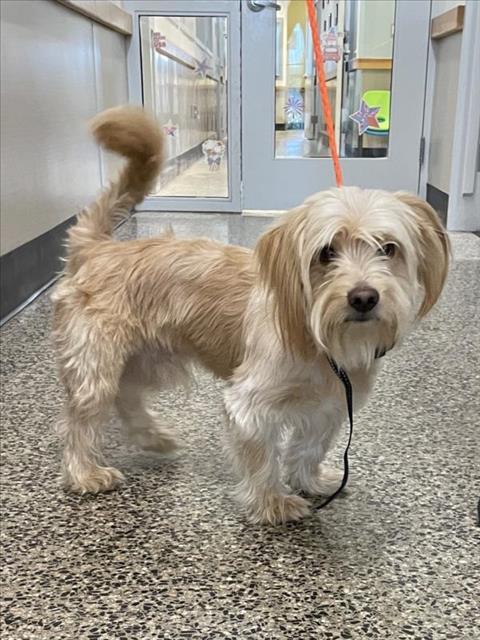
x=363, y=298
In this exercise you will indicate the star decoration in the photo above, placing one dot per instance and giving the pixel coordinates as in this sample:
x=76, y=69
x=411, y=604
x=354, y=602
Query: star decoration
x=332, y=54
x=294, y=107
x=170, y=129
x=159, y=41
x=202, y=68
x=330, y=45
x=365, y=117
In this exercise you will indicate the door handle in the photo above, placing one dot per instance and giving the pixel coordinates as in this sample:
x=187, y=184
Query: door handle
x=260, y=5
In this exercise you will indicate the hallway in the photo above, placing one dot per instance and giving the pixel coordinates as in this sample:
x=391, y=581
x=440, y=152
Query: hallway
x=169, y=555
x=197, y=182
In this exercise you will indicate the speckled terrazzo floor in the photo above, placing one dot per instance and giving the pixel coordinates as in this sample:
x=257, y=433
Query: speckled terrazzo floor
x=170, y=556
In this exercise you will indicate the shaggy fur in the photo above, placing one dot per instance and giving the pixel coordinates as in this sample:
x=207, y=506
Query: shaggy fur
x=134, y=316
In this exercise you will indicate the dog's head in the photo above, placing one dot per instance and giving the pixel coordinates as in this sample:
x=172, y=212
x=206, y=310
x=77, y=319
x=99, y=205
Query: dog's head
x=351, y=269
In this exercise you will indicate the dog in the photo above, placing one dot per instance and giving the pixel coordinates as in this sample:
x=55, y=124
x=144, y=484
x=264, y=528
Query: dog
x=345, y=275
x=213, y=151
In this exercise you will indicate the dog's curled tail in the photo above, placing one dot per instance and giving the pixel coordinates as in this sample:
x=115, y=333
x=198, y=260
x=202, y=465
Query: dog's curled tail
x=130, y=132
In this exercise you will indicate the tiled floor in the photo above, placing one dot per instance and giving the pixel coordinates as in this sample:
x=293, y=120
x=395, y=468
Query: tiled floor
x=290, y=143
x=198, y=181
x=170, y=556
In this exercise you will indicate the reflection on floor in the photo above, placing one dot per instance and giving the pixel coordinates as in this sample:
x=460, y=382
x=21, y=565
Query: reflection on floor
x=293, y=144
x=170, y=556
x=198, y=182
x=290, y=143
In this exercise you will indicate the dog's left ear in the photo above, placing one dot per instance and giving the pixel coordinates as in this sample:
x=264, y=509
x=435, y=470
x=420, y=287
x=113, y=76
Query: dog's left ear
x=279, y=268
x=434, y=254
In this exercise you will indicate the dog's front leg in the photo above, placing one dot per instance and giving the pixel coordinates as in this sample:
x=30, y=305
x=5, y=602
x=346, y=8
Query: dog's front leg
x=310, y=440
x=254, y=438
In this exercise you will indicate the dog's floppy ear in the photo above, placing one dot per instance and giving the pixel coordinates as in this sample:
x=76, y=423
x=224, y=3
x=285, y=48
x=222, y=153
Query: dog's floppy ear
x=278, y=261
x=434, y=250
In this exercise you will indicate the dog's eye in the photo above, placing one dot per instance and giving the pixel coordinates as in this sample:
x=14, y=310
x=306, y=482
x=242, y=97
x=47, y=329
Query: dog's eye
x=327, y=254
x=388, y=250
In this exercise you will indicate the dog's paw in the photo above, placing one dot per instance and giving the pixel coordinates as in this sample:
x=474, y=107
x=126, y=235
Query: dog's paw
x=324, y=483
x=159, y=442
x=279, y=508
x=97, y=480
x=329, y=479
x=154, y=436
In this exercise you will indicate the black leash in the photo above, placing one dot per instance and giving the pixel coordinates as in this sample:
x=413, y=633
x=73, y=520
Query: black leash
x=345, y=380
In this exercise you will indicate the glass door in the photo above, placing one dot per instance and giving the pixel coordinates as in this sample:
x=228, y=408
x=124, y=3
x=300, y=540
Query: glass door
x=375, y=63
x=184, y=67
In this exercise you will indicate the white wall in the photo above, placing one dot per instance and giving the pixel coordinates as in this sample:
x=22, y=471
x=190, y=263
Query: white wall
x=440, y=103
x=447, y=59
x=464, y=191
x=58, y=69
x=111, y=81
x=374, y=28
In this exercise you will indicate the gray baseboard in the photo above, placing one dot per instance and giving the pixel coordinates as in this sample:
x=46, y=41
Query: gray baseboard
x=439, y=201
x=29, y=267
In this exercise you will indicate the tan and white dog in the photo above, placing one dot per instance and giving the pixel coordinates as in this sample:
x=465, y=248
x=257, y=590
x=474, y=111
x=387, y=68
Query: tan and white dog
x=345, y=275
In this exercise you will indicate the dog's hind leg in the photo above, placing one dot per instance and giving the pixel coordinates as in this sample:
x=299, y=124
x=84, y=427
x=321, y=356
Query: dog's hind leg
x=84, y=467
x=90, y=368
x=145, y=427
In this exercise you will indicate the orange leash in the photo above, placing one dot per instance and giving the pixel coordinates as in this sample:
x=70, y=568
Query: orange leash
x=322, y=87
